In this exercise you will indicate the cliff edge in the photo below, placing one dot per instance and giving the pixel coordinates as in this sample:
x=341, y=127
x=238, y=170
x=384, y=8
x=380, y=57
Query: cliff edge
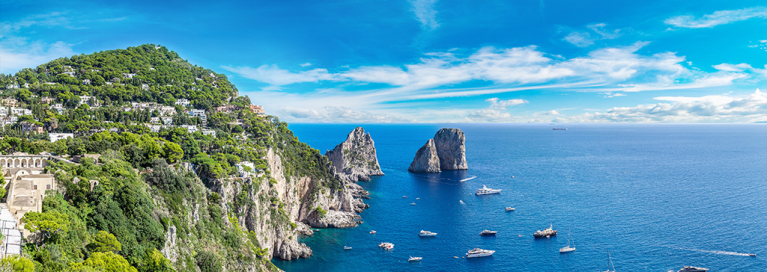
x=447, y=151
x=355, y=159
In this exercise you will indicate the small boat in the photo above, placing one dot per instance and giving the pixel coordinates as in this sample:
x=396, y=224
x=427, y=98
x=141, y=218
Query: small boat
x=417, y=198
x=478, y=252
x=414, y=259
x=347, y=248
x=487, y=191
x=488, y=232
x=426, y=233
x=372, y=232
x=508, y=209
x=567, y=248
x=412, y=204
x=693, y=269
x=462, y=202
x=546, y=232
x=404, y=196
x=751, y=255
x=386, y=245
x=560, y=128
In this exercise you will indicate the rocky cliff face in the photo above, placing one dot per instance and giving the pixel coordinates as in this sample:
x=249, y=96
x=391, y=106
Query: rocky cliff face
x=426, y=160
x=451, y=149
x=447, y=151
x=355, y=159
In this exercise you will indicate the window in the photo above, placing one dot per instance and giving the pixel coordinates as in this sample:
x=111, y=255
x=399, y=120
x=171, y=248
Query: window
x=35, y=186
x=48, y=187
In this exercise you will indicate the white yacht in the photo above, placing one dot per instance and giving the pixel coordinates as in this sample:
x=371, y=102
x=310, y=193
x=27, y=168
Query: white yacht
x=487, y=191
x=567, y=248
x=412, y=204
x=546, y=232
x=386, y=245
x=509, y=209
x=372, y=232
x=426, y=233
x=347, y=248
x=414, y=259
x=693, y=269
x=478, y=252
x=488, y=232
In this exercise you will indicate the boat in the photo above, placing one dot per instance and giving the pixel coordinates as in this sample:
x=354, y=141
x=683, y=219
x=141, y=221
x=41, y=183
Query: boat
x=426, y=233
x=693, y=269
x=609, y=262
x=386, y=245
x=487, y=191
x=412, y=204
x=478, y=252
x=404, y=196
x=751, y=255
x=488, y=232
x=546, y=232
x=567, y=248
x=560, y=128
x=508, y=209
x=417, y=198
x=347, y=248
x=414, y=259
x=372, y=232
x=461, y=202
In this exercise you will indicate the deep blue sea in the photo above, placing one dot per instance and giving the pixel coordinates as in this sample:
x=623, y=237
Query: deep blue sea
x=658, y=196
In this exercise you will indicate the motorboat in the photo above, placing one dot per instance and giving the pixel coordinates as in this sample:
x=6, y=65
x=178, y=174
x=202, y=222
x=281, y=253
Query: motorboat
x=404, y=196
x=488, y=232
x=568, y=248
x=478, y=252
x=414, y=259
x=693, y=269
x=546, y=232
x=386, y=245
x=412, y=204
x=426, y=233
x=508, y=209
x=347, y=248
x=487, y=191
x=372, y=232
x=461, y=202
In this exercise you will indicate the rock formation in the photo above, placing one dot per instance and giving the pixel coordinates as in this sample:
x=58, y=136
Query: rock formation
x=355, y=159
x=447, y=151
x=451, y=149
x=426, y=159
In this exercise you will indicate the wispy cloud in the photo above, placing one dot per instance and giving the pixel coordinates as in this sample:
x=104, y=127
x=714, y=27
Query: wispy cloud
x=743, y=67
x=273, y=75
x=18, y=53
x=713, y=108
x=305, y=64
x=496, y=112
x=425, y=13
x=585, y=38
x=717, y=18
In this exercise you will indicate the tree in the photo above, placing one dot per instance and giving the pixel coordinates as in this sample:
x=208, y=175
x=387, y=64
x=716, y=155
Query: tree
x=208, y=262
x=107, y=262
x=105, y=242
x=172, y=152
x=47, y=223
x=154, y=261
x=16, y=263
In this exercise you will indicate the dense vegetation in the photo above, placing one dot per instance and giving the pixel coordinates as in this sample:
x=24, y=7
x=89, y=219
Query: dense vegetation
x=116, y=212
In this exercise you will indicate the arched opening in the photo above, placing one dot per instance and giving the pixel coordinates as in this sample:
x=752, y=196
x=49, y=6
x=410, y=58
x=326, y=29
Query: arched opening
x=16, y=163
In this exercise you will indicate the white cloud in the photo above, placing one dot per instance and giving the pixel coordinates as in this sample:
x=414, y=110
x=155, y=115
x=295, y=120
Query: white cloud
x=712, y=108
x=495, y=103
x=717, y=18
x=17, y=53
x=552, y=112
x=496, y=111
x=425, y=13
x=275, y=76
x=305, y=64
x=743, y=67
x=585, y=39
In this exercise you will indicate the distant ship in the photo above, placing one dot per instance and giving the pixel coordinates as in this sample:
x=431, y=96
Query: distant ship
x=487, y=191
x=478, y=252
x=546, y=232
x=414, y=259
x=347, y=248
x=693, y=269
x=426, y=233
x=386, y=245
x=559, y=128
x=508, y=209
x=488, y=232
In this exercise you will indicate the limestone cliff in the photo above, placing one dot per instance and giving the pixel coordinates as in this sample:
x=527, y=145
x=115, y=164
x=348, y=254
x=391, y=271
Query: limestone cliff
x=451, y=149
x=447, y=151
x=426, y=160
x=355, y=159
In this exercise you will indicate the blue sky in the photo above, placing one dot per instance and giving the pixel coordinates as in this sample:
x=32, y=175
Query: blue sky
x=437, y=60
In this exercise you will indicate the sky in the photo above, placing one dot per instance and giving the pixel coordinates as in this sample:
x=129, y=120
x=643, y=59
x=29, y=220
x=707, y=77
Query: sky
x=400, y=61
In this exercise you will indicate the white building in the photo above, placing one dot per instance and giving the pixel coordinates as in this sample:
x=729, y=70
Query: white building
x=190, y=128
x=154, y=120
x=183, y=102
x=60, y=136
x=59, y=108
x=166, y=120
x=20, y=111
x=167, y=110
x=3, y=111
x=209, y=132
x=127, y=75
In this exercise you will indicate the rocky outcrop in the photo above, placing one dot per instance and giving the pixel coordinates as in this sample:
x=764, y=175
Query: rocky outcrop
x=426, y=159
x=355, y=159
x=290, y=249
x=447, y=151
x=451, y=149
x=333, y=219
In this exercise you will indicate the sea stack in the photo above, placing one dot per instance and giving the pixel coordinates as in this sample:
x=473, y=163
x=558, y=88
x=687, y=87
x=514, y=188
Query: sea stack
x=451, y=149
x=426, y=159
x=355, y=159
x=447, y=151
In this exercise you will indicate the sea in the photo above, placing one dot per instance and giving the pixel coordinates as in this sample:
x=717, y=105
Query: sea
x=656, y=196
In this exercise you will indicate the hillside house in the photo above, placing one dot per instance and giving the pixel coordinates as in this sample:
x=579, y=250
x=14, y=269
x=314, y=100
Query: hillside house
x=167, y=110
x=226, y=108
x=60, y=136
x=209, y=132
x=20, y=111
x=86, y=82
x=3, y=111
x=10, y=102
x=154, y=120
x=190, y=128
x=128, y=75
x=145, y=87
x=183, y=102
x=167, y=120
x=31, y=127
x=47, y=100
x=58, y=108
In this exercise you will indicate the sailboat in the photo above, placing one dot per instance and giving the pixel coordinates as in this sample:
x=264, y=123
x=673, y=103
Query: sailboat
x=609, y=262
x=567, y=248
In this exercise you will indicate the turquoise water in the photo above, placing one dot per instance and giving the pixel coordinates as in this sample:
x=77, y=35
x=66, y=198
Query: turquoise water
x=657, y=196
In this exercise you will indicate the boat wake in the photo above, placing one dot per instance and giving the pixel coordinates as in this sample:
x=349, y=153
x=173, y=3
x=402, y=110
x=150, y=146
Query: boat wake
x=462, y=202
x=717, y=252
x=468, y=178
